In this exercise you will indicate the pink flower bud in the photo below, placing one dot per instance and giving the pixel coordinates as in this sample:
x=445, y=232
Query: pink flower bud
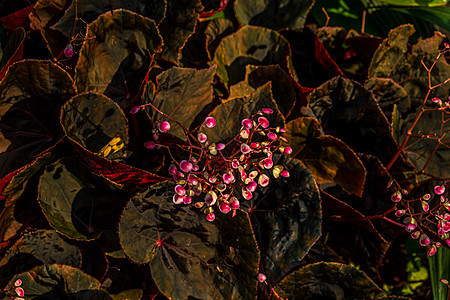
x=410, y=227
x=263, y=122
x=263, y=180
x=244, y=133
x=177, y=199
x=235, y=164
x=261, y=277
x=415, y=235
x=247, y=194
x=439, y=189
x=425, y=206
x=155, y=136
x=245, y=148
x=202, y=137
x=187, y=200
x=164, y=126
x=247, y=123
x=396, y=197
x=18, y=282
x=288, y=150
x=224, y=207
x=436, y=100
x=234, y=203
x=135, y=109
x=185, y=166
x=267, y=111
x=228, y=178
x=220, y=146
x=268, y=163
x=178, y=176
x=210, y=217
x=285, y=173
x=211, y=198
x=150, y=145
x=68, y=51
x=251, y=186
x=432, y=250
x=210, y=122
x=400, y=213
x=172, y=169
x=179, y=189
x=272, y=136
x=19, y=291
x=424, y=240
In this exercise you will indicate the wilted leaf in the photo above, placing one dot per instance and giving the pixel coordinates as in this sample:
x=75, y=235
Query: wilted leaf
x=230, y=114
x=37, y=248
x=116, y=55
x=349, y=112
x=58, y=282
x=97, y=123
x=393, y=60
x=89, y=10
x=216, y=30
x=249, y=45
x=326, y=280
x=273, y=14
x=31, y=94
x=177, y=26
x=282, y=89
x=77, y=203
x=182, y=95
x=286, y=216
x=210, y=260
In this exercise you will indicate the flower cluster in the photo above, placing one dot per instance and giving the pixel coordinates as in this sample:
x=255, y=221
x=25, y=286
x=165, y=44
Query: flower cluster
x=16, y=292
x=413, y=221
x=215, y=175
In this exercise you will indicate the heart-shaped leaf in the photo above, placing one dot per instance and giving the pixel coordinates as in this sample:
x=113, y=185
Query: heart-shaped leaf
x=216, y=30
x=230, y=114
x=209, y=260
x=249, y=45
x=77, y=203
x=326, y=280
x=282, y=89
x=116, y=55
x=177, y=26
x=97, y=123
x=37, y=248
x=286, y=216
x=31, y=96
x=273, y=14
x=182, y=95
x=58, y=282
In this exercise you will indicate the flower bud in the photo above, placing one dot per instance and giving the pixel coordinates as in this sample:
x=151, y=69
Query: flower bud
x=164, y=126
x=210, y=122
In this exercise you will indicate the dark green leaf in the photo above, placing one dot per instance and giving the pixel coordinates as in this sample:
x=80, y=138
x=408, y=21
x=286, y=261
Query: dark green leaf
x=326, y=281
x=435, y=15
x=190, y=256
x=349, y=112
x=230, y=114
x=89, y=10
x=135, y=294
x=273, y=14
x=77, y=203
x=215, y=31
x=37, y=248
x=58, y=282
x=416, y=2
x=177, y=26
x=282, y=89
x=286, y=216
x=249, y=45
x=31, y=94
x=45, y=12
x=116, y=55
x=97, y=123
x=182, y=94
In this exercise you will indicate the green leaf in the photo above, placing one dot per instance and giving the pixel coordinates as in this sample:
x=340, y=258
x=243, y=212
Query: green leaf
x=230, y=114
x=182, y=95
x=177, y=26
x=134, y=294
x=37, y=248
x=58, y=282
x=190, y=256
x=32, y=93
x=416, y=2
x=326, y=280
x=282, y=89
x=439, y=268
x=249, y=45
x=349, y=112
x=393, y=60
x=286, y=216
x=435, y=15
x=89, y=10
x=77, y=203
x=116, y=55
x=273, y=14
x=97, y=123
x=215, y=31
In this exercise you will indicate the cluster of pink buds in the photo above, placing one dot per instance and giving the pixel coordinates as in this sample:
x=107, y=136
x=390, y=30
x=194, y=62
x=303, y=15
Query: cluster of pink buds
x=413, y=221
x=441, y=103
x=215, y=175
x=17, y=292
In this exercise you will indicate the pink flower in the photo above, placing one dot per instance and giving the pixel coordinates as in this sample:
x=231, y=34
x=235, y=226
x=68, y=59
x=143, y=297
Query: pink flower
x=400, y=213
x=424, y=240
x=210, y=122
x=68, y=51
x=432, y=250
x=177, y=199
x=261, y=277
x=396, y=197
x=179, y=189
x=228, y=178
x=246, y=194
x=439, y=189
x=202, y=137
x=187, y=200
x=234, y=203
x=268, y=163
x=288, y=150
x=185, y=166
x=263, y=122
x=211, y=198
x=415, y=234
x=19, y=291
x=18, y=282
x=224, y=207
x=164, y=126
x=263, y=180
x=172, y=169
x=410, y=227
x=267, y=111
x=285, y=173
x=244, y=133
x=210, y=217
x=220, y=146
x=251, y=186
x=245, y=148
x=272, y=136
x=247, y=123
